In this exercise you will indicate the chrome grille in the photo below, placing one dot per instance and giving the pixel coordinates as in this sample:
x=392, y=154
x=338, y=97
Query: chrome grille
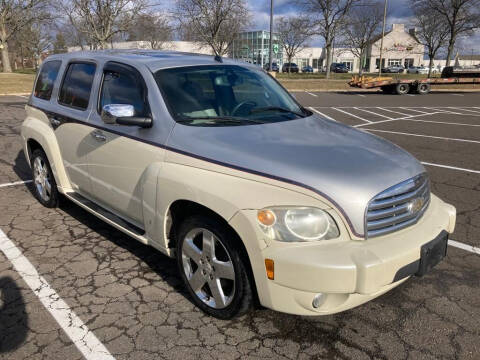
x=396, y=208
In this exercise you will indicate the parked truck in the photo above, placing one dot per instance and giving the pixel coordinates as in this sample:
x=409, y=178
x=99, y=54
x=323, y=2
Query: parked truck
x=390, y=85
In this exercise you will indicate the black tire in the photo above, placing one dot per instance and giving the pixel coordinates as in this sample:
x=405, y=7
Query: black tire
x=242, y=295
x=53, y=196
x=423, y=88
x=402, y=89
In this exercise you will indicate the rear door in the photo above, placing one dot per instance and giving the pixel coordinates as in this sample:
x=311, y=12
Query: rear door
x=70, y=121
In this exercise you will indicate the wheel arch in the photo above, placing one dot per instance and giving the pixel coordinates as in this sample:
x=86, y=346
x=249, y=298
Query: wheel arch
x=181, y=209
x=37, y=133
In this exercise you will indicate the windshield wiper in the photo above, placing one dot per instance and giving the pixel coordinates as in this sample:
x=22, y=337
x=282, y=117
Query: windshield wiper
x=276, y=108
x=220, y=119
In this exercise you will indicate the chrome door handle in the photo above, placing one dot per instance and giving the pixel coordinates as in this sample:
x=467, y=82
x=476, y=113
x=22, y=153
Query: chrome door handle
x=97, y=135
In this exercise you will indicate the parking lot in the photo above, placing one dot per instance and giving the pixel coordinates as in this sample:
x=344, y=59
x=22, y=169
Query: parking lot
x=73, y=287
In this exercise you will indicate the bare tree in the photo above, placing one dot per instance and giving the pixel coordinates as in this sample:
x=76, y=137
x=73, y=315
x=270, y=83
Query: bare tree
x=154, y=28
x=215, y=23
x=99, y=20
x=328, y=17
x=293, y=33
x=38, y=39
x=361, y=26
x=462, y=17
x=14, y=16
x=432, y=30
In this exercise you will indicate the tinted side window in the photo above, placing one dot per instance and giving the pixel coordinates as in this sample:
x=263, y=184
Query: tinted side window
x=123, y=87
x=77, y=84
x=46, y=79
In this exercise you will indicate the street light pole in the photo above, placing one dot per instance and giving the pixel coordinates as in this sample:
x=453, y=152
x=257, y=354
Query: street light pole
x=270, y=44
x=383, y=35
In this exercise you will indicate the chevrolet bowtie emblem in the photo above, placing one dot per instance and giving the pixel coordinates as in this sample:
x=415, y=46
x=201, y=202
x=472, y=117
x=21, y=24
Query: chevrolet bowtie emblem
x=415, y=205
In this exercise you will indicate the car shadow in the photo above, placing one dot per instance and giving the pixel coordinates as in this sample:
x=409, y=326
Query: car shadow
x=21, y=167
x=13, y=316
x=159, y=263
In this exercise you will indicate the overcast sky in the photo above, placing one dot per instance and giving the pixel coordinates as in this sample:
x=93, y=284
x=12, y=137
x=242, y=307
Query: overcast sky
x=398, y=13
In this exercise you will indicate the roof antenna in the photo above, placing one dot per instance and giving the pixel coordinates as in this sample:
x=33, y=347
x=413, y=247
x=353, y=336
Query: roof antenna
x=218, y=58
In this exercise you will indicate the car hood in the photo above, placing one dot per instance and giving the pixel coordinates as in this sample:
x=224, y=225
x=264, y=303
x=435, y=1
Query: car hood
x=345, y=165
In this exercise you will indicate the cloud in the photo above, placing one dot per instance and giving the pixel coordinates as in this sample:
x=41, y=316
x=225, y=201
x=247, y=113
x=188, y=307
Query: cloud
x=399, y=12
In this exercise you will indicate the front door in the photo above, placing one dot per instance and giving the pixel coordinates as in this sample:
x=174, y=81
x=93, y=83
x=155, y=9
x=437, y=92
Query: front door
x=119, y=158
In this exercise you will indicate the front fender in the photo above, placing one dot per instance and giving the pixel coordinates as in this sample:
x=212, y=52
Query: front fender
x=222, y=193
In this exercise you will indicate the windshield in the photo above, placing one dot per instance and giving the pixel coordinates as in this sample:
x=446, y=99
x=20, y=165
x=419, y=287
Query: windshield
x=225, y=95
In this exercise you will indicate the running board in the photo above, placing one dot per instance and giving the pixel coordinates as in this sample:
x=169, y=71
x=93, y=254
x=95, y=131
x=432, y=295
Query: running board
x=108, y=216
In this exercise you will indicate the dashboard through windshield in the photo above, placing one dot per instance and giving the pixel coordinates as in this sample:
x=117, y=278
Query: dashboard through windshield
x=225, y=95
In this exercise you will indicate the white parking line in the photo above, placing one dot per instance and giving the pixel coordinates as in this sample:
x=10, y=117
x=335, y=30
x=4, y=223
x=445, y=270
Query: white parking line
x=320, y=113
x=374, y=113
x=355, y=116
x=457, y=94
x=361, y=95
x=463, y=246
x=392, y=111
x=440, y=109
x=412, y=109
x=23, y=96
x=458, y=108
x=407, y=118
x=309, y=93
x=16, y=183
x=419, y=120
x=85, y=341
x=427, y=136
x=451, y=167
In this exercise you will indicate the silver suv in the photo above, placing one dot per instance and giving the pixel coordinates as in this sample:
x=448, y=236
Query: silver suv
x=211, y=161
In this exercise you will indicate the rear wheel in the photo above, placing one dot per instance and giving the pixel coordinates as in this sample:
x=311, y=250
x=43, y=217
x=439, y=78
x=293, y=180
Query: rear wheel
x=423, y=88
x=212, y=269
x=45, y=188
x=402, y=89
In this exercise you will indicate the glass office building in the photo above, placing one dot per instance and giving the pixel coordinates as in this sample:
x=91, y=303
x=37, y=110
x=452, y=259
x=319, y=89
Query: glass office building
x=252, y=47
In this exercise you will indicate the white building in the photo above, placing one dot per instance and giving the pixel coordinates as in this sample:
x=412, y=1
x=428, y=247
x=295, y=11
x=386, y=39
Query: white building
x=399, y=48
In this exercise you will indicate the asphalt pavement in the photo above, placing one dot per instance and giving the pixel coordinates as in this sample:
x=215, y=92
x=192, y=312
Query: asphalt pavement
x=73, y=287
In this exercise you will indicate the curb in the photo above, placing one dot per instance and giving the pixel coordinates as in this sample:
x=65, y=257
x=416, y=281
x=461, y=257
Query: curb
x=15, y=94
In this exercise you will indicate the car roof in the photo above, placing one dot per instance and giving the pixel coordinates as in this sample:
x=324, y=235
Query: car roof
x=153, y=59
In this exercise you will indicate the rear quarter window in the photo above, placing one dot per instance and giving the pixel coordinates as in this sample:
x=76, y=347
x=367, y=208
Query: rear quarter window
x=77, y=85
x=46, y=79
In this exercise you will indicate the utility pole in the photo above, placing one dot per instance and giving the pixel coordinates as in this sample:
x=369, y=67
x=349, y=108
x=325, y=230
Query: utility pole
x=383, y=35
x=270, y=44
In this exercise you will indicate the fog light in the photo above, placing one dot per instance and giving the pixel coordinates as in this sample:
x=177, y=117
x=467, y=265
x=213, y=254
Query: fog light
x=318, y=300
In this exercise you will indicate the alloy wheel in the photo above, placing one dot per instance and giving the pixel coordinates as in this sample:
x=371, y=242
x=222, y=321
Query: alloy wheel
x=42, y=179
x=208, y=268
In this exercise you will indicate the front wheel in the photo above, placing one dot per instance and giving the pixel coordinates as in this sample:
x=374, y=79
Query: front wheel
x=212, y=269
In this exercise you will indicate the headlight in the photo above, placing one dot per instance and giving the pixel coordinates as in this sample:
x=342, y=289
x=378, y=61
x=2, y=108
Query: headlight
x=297, y=224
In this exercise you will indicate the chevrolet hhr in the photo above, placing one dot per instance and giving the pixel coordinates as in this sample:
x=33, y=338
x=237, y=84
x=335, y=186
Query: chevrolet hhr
x=211, y=161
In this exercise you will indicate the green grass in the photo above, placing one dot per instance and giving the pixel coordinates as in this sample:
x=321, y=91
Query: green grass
x=26, y=71
x=15, y=83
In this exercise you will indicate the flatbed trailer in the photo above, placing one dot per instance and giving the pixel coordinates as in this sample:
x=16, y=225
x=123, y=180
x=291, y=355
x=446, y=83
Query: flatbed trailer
x=390, y=85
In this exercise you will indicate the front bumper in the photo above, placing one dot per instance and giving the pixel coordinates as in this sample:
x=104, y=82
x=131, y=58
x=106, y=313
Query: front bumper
x=347, y=272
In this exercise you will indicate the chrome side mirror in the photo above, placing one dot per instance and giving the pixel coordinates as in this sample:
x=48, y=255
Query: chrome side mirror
x=111, y=112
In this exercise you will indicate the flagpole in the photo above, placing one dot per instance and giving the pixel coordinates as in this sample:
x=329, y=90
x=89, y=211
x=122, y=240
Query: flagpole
x=270, y=50
x=383, y=35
